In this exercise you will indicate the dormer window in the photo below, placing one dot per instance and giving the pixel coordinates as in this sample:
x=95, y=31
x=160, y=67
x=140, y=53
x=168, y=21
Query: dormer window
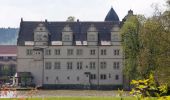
x=92, y=35
x=38, y=37
x=67, y=35
x=41, y=33
x=66, y=38
x=41, y=29
x=115, y=35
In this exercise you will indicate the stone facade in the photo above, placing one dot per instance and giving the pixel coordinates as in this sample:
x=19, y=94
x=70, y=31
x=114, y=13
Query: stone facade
x=71, y=54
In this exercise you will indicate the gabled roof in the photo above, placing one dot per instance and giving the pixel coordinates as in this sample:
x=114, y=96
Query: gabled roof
x=79, y=29
x=112, y=16
x=8, y=50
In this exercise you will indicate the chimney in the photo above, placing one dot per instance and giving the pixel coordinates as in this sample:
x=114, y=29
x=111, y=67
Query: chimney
x=46, y=21
x=77, y=20
x=21, y=19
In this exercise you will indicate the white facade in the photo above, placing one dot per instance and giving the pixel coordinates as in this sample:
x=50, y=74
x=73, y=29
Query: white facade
x=90, y=62
x=52, y=75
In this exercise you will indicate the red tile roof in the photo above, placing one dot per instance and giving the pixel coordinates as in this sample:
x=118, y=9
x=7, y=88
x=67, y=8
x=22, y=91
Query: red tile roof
x=8, y=50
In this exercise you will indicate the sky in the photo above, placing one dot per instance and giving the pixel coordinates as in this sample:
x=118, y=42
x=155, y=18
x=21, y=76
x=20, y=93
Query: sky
x=11, y=11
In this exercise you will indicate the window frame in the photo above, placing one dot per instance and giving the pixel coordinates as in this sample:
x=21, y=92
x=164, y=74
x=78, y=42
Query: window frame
x=48, y=65
x=57, y=51
x=70, y=52
x=57, y=65
x=92, y=52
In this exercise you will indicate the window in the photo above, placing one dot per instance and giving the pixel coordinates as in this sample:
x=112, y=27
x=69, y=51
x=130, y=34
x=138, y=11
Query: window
x=57, y=78
x=103, y=76
x=69, y=65
x=29, y=52
x=66, y=38
x=1, y=58
x=93, y=76
x=109, y=75
x=10, y=58
x=78, y=78
x=70, y=52
x=57, y=52
x=92, y=65
x=116, y=52
x=38, y=37
x=92, y=52
x=79, y=65
x=116, y=65
x=103, y=65
x=48, y=65
x=91, y=37
x=68, y=78
x=79, y=51
x=115, y=37
x=117, y=77
x=103, y=52
x=47, y=78
x=57, y=65
x=48, y=52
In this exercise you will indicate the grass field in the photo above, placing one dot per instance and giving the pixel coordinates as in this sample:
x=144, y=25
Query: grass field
x=84, y=98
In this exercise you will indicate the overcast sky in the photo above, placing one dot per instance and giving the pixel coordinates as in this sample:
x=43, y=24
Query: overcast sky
x=11, y=11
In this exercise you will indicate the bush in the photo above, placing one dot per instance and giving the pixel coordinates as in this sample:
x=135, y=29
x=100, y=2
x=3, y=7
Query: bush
x=148, y=87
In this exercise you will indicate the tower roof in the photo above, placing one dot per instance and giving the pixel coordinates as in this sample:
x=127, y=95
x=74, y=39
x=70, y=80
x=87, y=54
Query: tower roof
x=112, y=16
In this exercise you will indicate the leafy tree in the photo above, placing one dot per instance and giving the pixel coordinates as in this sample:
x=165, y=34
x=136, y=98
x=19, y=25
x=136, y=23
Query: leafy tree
x=146, y=43
x=71, y=19
x=163, y=57
x=130, y=31
x=150, y=43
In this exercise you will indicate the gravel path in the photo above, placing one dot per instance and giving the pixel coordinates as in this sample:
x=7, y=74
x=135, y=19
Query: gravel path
x=68, y=93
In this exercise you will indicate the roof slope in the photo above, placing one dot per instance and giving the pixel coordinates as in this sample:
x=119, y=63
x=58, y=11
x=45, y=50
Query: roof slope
x=8, y=50
x=112, y=16
x=26, y=32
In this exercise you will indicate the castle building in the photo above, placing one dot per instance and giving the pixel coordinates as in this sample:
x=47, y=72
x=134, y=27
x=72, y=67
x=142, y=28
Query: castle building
x=71, y=54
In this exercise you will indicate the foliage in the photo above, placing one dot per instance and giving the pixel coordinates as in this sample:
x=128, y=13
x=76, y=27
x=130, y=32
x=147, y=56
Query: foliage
x=150, y=43
x=71, y=19
x=146, y=43
x=130, y=41
x=148, y=87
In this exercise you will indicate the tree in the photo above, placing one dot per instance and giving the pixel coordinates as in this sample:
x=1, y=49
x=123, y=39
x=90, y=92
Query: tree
x=71, y=19
x=130, y=42
x=163, y=59
x=150, y=42
x=154, y=51
x=146, y=43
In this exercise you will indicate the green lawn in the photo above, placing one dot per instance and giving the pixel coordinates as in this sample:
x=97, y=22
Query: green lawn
x=85, y=98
